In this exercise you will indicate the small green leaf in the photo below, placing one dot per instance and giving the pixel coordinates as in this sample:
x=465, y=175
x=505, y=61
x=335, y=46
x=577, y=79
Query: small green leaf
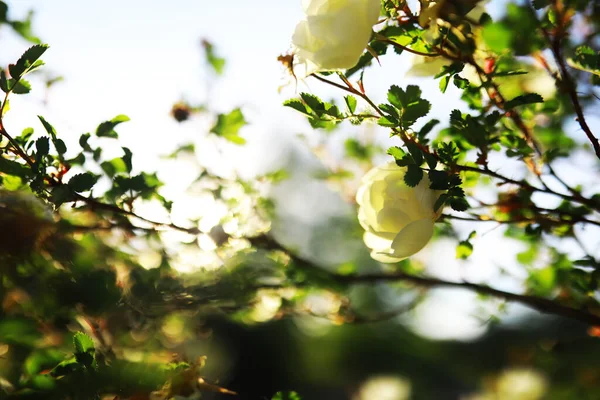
x=297, y=105
x=27, y=61
x=464, y=250
x=217, y=63
x=430, y=160
x=415, y=152
x=529, y=98
x=460, y=82
x=4, y=82
x=229, y=125
x=60, y=145
x=427, y=128
x=84, y=349
x=42, y=146
x=497, y=36
x=48, y=127
x=459, y=203
x=409, y=102
x=444, y=83
x=114, y=166
x=83, y=142
x=396, y=152
x=388, y=122
x=315, y=103
x=351, y=103
x=413, y=175
x=82, y=182
x=127, y=159
x=14, y=168
x=83, y=343
x=439, y=180
x=65, y=367
x=107, y=128
x=20, y=87
x=357, y=150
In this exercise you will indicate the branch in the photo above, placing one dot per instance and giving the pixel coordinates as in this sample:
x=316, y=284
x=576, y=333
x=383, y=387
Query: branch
x=537, y=303
x=568, y=85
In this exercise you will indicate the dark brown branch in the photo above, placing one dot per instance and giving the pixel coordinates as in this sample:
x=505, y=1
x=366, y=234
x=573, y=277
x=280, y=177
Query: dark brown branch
x=537, y=303
x=567, y=83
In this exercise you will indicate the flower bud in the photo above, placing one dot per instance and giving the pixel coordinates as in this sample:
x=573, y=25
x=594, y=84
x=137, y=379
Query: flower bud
x=398, y=220
x=333, y=35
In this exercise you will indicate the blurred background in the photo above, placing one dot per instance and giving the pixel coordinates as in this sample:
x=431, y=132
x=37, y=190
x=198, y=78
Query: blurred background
x=139, y=58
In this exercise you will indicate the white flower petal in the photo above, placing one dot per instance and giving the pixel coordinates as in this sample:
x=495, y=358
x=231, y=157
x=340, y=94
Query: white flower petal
x=333, y=35
x=412, y=238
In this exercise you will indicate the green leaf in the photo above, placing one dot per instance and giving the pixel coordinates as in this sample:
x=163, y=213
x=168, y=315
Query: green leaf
x=83, y=142
x=427, y=128
x=107, y=128
x=586, y=59
x=65, y=367
x=14, y=168
x=42, y=146
x=48, y=127
x=114, y=166
x=460, y=82
x=388, y=122
x=409, y=102
x=127, y=159
x=497, y=37
x=314, y=103
x=82, y=182
x=4, y=82
x=439, y=180
x=84, y=349
x=529, y=98
x=396, y=152
x=217, y=63
x=459, y=203
x=297, y=105
x=61, y=194
x=229, y=125
x=351, y=103
x=60, y=145
x=357, y=150
x=413, y=175
x=444, y=83
x=23, y=28
x=415, y=152
x=20, y=87
x=19, y=331
x=83, y=343
x=430, y=160
x=27, y=61
x=464, y=250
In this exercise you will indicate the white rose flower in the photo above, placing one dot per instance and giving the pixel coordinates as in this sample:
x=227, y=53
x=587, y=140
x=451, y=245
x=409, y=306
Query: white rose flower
x=333, y=35
x=398, y=220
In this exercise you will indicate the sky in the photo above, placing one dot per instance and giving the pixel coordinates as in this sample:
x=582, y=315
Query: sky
x=138, y=58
